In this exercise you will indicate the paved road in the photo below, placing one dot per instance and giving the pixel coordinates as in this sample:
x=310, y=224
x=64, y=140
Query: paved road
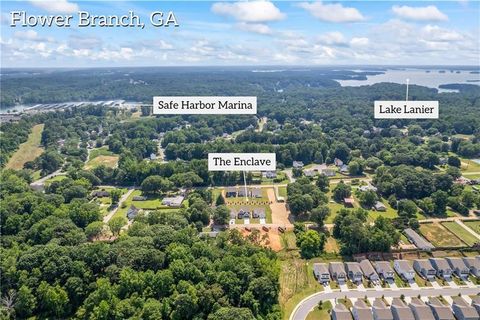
x=306, y=305
x=122, y=199
x=48, y=176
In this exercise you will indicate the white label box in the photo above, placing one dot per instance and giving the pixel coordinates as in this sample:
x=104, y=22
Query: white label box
x=204, y=105
x=242, y=162
x=406, y=109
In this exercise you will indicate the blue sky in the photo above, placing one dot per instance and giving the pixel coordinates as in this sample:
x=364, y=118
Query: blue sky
x=249, y=33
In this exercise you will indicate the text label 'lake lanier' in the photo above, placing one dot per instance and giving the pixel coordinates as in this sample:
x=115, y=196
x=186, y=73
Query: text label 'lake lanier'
x=406, y=109
x=205, y=105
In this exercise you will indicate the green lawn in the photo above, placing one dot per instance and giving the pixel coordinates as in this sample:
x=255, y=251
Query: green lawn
x=320, y=313
x=439, y=236
x=153, y=203
x=103, y=151
x=474, y=225
x=390, y=213
x=282, y=192
x=56, y=178
x=27, y=151
x=460, y=232
x=469, y=166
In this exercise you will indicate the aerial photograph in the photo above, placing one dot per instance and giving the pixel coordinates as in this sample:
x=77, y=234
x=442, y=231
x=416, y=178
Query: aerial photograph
x=240, y=160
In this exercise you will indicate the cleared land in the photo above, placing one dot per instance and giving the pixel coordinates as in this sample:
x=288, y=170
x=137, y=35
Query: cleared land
x=27, y=151
x=296, y=282
x=461, y=233
x=101, y=156
x=469, y=166
x=153, y=203
x=474, y=225
x=439, y=236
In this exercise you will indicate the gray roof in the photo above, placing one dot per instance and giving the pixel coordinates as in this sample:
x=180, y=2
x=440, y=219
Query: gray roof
x=472, y=262
x=400, y=310
x=404, y=265
x=362, y=310
x=457, y=263
x=440, y=264
x=440, y=310
x=424, y=264
x=466, y=311
x=367, y=267
x=381, y=311
x=353, y=267
x=341, y=312
x=418, y=240
x=231, y=189
x=421, y=310
x=383, y=266
x=337, y=267
x=320, y=268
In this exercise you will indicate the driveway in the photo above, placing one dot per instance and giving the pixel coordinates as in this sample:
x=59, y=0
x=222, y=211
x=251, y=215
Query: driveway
x=306, y=305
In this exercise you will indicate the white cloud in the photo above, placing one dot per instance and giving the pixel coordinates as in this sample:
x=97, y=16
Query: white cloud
x=428, y=13
x=435, y=33
x=57, y=6
x=259, y=28
x=252, y=11
x=332, y=12
x=333, y=38
x=359, y=42
x=31, y=35
x=84, y=42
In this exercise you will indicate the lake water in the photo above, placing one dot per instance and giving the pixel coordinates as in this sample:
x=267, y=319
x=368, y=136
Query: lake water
x=432, y=79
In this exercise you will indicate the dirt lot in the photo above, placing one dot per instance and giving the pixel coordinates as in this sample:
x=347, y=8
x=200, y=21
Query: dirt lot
x=279, y=210
x=269, y=239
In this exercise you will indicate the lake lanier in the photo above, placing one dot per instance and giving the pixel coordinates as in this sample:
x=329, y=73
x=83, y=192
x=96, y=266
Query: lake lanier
x=251, y=162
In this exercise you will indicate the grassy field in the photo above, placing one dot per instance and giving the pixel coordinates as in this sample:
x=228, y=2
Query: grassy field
x=296, y=282
x=288, y=240
x=150, y=204
x=469, y=166
x=439, y=236
x=282, y=192
x=56, y=178
x=461, y=233
x=27, y=151
x=101, y=156
x=474, y=225
x=321, y=313
x=331, y=246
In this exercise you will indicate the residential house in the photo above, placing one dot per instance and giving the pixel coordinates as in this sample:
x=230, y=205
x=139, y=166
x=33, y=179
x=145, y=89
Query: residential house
x=439, y=310
x=298, y=164
x=348, y=202
x=476, y=303
x=258, y=213
x=174, y=202
x=442, y=268
x=269, y=174
x=328, y=172
x=343, y=168
x=231, y=192
x=473, y=264
x=458, y=267
x=381, y=311
x=100, y=193
x=424, y=268
x=361, y=311
x=340, y=312
x=420, y=310
x=379, y=206
x=132, y=212
x=354, y=271
x=463, y=311
x=337, y=162
x=256, y=192
x=309, y=173
x=243, y=213
x=320, y=270
x=368, y=270
x=400, y=310
x=337, y=271
x=242, y=192
x=384, y=270
x=153, y=156
x=418, y=240
x=368, y=187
